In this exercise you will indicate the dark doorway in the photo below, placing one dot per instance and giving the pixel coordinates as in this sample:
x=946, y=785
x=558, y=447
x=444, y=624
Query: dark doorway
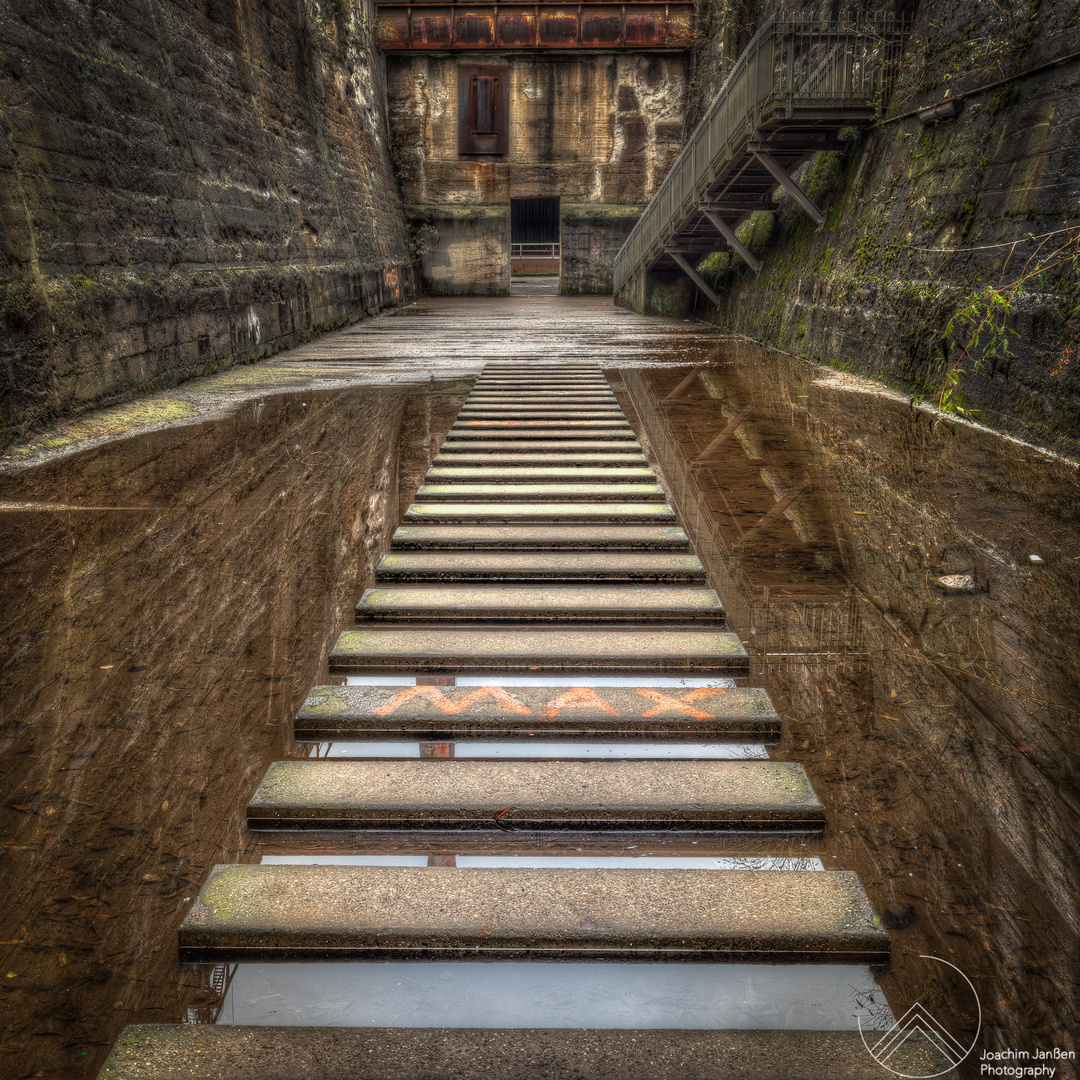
x=534, y=238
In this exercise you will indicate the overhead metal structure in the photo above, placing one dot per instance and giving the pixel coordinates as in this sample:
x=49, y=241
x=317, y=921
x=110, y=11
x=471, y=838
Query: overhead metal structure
x=424, y=25
x=792, y=90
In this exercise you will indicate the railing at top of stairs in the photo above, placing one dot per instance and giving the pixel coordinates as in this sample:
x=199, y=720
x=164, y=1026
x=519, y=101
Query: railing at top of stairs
x=787, y=66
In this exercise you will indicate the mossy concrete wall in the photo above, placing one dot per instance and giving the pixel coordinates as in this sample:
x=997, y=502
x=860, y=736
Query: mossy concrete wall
x=921, y=218
x=463, y=250
x=591, y=235
x=184, y=186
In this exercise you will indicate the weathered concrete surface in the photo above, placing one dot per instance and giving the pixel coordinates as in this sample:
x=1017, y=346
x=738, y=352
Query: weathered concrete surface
x=519, y=430
x=546, y=538
x=224, y=1052
x=595, y=129
x=537, y=649
x=491, y=795
x=539, y=492
x=537, y=474
x=496, y=444
x=591, y=236
x=184, y=188
x=539, y=412
x=555, y=568
x=550, y=458
x=540, y=603
x=585, y=424
x=724, y=714
x=539, y=512
x=465, y=250
x=391, y=911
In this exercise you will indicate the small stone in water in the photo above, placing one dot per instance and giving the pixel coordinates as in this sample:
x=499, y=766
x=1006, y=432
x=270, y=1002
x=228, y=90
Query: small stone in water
x=956, y=583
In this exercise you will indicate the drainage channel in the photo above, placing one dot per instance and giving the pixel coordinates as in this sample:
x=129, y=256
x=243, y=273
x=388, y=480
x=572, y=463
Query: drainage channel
x=540, y=659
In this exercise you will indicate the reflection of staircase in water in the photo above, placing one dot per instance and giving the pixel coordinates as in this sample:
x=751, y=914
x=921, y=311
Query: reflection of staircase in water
x=540, y=546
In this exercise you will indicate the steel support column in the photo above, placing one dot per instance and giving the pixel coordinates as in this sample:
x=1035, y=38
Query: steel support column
x=785, y=181
x=694, y=276
x=728, y=233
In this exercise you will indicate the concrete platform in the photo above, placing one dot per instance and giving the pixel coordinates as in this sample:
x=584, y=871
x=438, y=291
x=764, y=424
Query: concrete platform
x=541, y=459
x=554, y=568
x=538, y=474
x=705, y=796
x=497, y=445
x=539, y=538
x=539, y=603
x=555, y=397
x=253, y=912
x=618, y=713
x=225, y=1052
x=610, y=492
x=537, y=512
x=537, y=649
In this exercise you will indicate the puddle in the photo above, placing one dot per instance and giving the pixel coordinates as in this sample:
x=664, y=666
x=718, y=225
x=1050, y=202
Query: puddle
x=940, y=727
x=549, y=995
x=158, y=639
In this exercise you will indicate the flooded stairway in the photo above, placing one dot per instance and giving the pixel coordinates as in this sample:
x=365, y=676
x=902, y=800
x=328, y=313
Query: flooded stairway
x=540, y=545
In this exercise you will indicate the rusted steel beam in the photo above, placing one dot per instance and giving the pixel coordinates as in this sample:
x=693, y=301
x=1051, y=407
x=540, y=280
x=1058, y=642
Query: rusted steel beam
x=722, y=438
x=770, y=516
x=645, y=24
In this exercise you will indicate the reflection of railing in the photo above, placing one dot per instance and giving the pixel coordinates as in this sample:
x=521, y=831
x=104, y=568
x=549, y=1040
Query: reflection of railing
x=782, y=631
x=534, y=251
x=787, y=69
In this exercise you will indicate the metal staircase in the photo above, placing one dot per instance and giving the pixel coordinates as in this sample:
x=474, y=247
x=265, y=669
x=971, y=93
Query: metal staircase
x=792, y=90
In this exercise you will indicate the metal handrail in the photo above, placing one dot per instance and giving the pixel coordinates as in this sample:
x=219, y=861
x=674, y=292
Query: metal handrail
x=786, y=65
x=534, y=251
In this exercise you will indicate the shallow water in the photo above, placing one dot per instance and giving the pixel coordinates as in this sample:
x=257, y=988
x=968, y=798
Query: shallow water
x=168, y=601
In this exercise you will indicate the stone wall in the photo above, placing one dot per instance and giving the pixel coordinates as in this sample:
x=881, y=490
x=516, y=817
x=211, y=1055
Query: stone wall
x=185, y=185
x=921, y=220
x=592, y=128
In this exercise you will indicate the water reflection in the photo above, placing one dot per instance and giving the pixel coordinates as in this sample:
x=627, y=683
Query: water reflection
x=150, y=664
x=941, y=728
x=549, y=995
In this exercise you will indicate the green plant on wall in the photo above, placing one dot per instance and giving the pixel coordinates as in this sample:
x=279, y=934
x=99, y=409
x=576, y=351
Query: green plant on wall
x=979, y=330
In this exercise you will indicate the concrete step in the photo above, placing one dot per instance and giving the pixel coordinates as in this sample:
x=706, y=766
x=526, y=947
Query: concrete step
x=552, y=568
x=562, y=427
x=523, y=414
x=536, y=513
x=536, y=795
x=539, y=603
x=544, y=459
x=605, y=713
x=228, y=1052
x=496, y=445
x=557, y=397
x=530, y=404
x=525, y=650
x=293, y=912
x=538, y=474
x=539, y=538
x=612, y=492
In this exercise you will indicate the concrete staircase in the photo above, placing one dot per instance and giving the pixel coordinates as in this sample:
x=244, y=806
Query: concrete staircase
x=540, y=543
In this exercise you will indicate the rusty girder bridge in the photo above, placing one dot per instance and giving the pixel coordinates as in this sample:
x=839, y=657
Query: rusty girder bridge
x=790, y=93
